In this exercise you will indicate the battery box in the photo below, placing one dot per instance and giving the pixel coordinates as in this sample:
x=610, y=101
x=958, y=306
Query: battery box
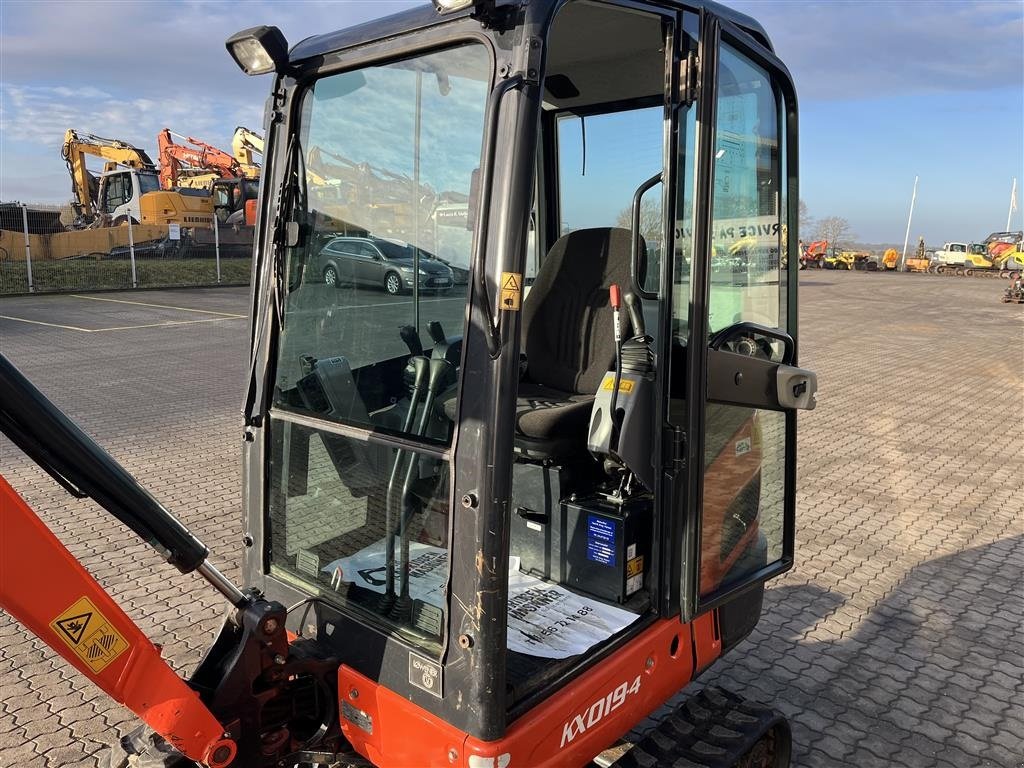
x=589, y=544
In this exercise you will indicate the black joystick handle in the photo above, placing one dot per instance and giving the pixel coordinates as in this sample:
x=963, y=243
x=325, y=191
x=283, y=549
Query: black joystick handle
x=636, y=317
x=436, y=332
x=411, y=339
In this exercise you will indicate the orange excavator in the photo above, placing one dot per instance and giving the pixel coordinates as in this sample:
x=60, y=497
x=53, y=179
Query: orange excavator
x=814, y=255
x=209, y=170
x=192, y=167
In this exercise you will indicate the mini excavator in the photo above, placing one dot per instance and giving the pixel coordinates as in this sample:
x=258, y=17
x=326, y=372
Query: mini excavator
x=496, y=528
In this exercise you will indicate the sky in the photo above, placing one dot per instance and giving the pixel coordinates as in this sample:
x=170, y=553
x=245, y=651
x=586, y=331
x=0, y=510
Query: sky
x=887, y=90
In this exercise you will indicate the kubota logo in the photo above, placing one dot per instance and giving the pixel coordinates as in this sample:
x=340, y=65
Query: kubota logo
x=597, y=711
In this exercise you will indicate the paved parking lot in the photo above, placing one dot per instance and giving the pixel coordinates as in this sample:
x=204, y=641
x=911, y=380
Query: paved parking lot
x=897, y=640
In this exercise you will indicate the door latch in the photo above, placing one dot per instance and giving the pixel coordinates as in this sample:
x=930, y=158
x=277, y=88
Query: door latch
x=796, y=388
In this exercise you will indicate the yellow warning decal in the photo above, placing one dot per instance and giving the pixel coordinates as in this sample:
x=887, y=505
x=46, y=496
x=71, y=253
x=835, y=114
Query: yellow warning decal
x=88, y=633
x=634, y=566
x=625, y=385
x=511, y=291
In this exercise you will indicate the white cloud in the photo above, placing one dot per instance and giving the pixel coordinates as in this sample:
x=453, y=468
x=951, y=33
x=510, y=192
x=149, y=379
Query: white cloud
x=851, y=49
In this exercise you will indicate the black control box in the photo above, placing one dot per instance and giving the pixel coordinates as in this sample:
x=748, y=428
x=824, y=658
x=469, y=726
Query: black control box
x=589, y=544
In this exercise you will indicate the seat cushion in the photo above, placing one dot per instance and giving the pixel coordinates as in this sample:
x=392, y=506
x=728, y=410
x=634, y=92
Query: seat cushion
x=543, y=413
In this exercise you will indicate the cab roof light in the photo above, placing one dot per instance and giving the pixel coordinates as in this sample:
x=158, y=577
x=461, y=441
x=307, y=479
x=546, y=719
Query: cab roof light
x=259, y=50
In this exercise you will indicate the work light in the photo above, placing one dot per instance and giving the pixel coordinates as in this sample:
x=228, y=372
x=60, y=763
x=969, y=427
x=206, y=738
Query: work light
x=259, y=50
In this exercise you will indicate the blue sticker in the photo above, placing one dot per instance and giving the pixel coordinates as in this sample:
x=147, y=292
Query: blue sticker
x=601, y=540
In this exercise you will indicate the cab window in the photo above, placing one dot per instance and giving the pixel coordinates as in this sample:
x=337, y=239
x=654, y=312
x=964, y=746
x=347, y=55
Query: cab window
x=359, y=496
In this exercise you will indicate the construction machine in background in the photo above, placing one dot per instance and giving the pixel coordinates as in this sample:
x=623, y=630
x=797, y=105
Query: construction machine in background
x=999, y=256
x=1015, y=293
x=195, y=166
x=246, y=144
x=128, y=190
x=230, y=183
x=509, y=525
x=814, y=254
x=850, y=260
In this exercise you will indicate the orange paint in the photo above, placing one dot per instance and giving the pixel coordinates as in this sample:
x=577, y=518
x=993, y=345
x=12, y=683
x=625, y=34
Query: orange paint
x=40, y=582
x=568, y=729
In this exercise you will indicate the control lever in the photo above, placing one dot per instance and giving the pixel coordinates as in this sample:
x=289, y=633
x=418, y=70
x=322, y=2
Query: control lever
x=411, y=338
x=615, y=299
x=439, y=370
x=636, y=317
x=421, y=372
x=436, y=332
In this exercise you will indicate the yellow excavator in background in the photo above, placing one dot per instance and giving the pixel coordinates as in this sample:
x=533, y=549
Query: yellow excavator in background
x=245, y=145
x=128, y=189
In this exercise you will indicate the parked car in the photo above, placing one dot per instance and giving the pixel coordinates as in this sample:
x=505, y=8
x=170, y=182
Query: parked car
x=379, y=263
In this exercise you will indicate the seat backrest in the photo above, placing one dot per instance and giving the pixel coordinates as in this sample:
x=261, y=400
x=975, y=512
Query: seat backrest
x=568, y=334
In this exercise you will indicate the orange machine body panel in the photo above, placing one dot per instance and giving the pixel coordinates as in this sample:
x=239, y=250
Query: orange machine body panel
x=568, y=729
x=46, y=589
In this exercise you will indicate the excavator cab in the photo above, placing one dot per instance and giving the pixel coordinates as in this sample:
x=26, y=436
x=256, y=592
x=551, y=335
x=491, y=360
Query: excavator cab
x=527, y=510
x=520, y=427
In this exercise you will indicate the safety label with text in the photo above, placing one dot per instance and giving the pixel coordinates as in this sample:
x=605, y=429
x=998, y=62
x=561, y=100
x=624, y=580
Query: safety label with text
x=87, y=632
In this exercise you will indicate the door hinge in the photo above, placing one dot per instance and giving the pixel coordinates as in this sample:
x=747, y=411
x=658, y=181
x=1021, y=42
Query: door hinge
x=675, y=459
x=689, y=79
x=526, y=61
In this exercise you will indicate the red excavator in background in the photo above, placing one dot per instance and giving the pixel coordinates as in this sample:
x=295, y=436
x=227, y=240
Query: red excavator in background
x=233, y=185
x=192, y=167
x=814, y=254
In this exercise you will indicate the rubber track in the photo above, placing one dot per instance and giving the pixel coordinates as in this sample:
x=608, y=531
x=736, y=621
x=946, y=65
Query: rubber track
x=712, y=729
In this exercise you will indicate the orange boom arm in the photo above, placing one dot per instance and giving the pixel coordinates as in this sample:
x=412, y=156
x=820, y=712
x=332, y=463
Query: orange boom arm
x=54, y=597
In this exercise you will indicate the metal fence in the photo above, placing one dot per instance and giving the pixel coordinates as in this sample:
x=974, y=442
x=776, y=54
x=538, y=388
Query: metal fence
x=38, y=253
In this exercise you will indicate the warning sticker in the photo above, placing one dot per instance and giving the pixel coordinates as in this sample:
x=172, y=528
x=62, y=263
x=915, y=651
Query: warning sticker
x=634, y=566
x=625, y=385
x=511, y=291
x=88, y=633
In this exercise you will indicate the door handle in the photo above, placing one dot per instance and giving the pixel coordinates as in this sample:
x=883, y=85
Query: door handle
x=796, y=388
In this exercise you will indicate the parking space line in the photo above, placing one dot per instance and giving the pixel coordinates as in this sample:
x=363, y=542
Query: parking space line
x=40, y=322
x=169, y=322
x=125, y=327
x=159, y=306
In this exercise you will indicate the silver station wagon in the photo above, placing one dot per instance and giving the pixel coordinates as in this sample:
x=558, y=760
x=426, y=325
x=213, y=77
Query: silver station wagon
x=378, y=263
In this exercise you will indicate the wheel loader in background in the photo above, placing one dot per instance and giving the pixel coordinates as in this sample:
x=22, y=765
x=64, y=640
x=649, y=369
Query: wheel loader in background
x=511, y=523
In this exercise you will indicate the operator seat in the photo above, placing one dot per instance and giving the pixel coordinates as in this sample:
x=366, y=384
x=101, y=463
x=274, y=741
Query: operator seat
x=568, y=338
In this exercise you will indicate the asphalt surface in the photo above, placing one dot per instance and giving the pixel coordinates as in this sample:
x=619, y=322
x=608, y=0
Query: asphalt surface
x=897, y=640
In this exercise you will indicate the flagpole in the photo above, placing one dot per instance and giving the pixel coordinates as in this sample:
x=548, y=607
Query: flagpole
x=1013, y=203
x=910, y=216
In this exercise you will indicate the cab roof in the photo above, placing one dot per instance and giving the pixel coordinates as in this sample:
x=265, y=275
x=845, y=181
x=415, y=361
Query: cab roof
x=426, y=16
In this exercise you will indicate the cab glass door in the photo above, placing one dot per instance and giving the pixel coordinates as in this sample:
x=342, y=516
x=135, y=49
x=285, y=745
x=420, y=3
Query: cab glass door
x=744, y=457
x=734, y=386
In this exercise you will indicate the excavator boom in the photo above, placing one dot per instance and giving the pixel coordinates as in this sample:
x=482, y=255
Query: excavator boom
x=179, y=162
x=77, y=146
x=76, y=617
x=246, y=144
